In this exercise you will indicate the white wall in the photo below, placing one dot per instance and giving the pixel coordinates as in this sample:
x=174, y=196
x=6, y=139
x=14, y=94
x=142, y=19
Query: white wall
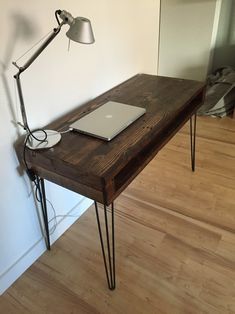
x=126, y=34
x=186, y=35
x=225, y=40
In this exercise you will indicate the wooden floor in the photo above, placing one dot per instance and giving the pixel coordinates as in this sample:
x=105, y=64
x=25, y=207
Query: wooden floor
x=175, y=241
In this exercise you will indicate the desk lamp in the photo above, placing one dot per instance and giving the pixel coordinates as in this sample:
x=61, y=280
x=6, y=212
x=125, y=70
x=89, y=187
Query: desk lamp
x=80, y=30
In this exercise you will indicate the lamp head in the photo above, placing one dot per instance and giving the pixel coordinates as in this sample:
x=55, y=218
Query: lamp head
x=80, y=29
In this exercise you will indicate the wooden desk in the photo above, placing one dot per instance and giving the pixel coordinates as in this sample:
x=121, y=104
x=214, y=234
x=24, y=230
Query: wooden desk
x=102, y=170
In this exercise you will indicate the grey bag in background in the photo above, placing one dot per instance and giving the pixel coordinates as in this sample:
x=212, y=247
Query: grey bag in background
x=220, y=94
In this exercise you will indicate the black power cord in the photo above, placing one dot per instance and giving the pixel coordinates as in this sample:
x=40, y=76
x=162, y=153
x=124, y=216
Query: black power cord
x=29, y=171
x=30, y=133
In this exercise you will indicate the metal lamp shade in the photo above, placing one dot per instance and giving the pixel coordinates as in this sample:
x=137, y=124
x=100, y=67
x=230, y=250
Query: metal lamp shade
x=81, y=31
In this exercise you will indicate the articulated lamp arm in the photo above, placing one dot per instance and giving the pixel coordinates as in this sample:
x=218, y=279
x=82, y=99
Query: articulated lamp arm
x=27, y=64
x=80, y=31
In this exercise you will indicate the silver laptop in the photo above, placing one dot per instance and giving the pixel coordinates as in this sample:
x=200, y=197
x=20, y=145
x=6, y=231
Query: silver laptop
x=108, y=120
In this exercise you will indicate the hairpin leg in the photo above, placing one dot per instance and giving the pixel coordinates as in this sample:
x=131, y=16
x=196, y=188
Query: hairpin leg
x=109, y=255
x=193, y=139
x=42, y=198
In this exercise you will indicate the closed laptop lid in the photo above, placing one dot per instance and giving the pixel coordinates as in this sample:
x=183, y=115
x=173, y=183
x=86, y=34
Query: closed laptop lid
x=108, y=120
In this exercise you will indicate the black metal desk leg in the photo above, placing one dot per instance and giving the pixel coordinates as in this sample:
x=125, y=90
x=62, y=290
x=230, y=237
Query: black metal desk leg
x=193, y=139
x=42, y=198
x=108, y=250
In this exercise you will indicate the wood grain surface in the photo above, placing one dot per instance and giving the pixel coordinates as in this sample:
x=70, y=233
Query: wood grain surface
x=102, y=170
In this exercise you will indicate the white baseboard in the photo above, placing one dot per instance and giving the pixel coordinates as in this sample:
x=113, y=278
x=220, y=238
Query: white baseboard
x=38, y=248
